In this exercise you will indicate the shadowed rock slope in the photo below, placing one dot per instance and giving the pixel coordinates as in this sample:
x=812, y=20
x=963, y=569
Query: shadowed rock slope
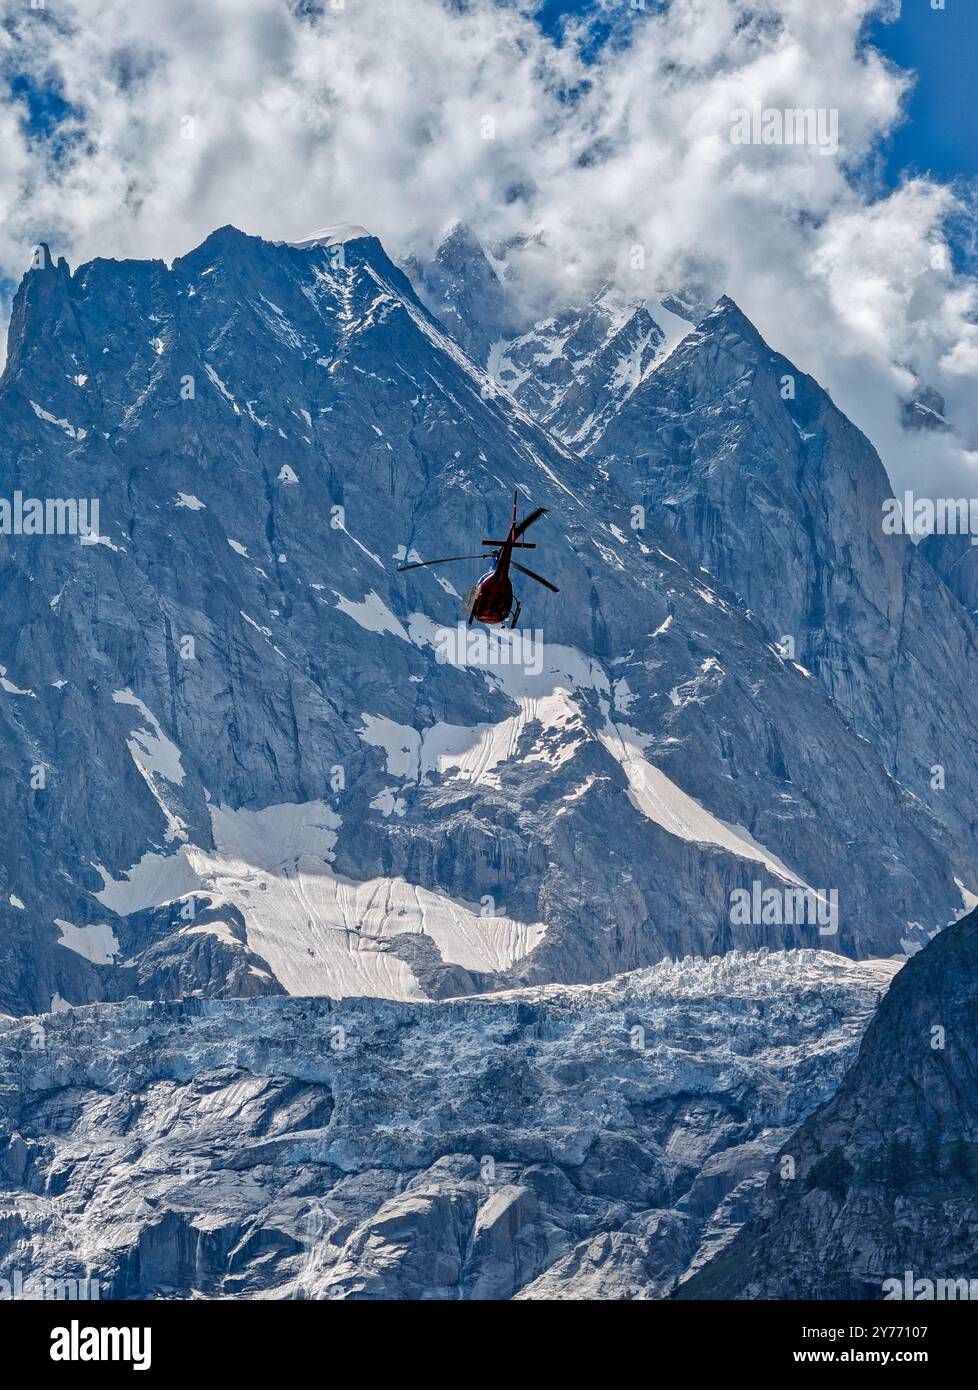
x=886, y=1174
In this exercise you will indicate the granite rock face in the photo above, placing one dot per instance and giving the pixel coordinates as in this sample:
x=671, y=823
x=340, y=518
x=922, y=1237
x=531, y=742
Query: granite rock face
x=956, y=560
x=574, y=371
x=783, y=500
x=244, y=755
x=462, y=289
x=883, y=1178
x=564, y=1142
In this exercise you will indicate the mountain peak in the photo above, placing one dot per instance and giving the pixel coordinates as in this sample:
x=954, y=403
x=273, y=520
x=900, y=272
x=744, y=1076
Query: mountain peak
x=222, y=239
x=336, y=234
x=42, y=260
x=460, y=286
x=460, y=237
x=726, y=316
x=41, y=311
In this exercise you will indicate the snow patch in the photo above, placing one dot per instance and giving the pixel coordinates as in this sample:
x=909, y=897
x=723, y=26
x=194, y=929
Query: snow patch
x=321, y=934
x=265, y=631
x=337, y=235
x=90, y=538
x=372, y=614
x=662, y=801
x=155, y=756
x=388, y=803
x=221, y=387
x=96, y=943
x=72, y=431
x=150, y=747
x=12, y=689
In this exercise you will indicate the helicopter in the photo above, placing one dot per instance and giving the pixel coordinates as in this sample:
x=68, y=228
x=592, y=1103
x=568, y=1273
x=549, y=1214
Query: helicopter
x=491, y=599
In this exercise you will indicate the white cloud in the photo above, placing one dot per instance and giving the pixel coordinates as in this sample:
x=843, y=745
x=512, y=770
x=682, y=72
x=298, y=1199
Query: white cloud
x=376, y=112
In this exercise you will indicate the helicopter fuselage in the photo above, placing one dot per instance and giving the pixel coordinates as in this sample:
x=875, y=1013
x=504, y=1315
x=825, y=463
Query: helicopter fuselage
x=494, y=595
x=491, y=599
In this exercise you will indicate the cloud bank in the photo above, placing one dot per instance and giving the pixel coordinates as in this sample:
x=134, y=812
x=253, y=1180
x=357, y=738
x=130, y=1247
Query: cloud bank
x=132, y=130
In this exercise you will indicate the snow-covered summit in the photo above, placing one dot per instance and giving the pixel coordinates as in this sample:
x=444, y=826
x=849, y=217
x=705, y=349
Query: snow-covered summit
x=336, y=235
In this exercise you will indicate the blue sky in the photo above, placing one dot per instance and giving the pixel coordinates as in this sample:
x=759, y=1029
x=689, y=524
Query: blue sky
x=941, y=46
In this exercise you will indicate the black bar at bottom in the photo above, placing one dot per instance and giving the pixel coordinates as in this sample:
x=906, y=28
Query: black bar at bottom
x=255, y=1336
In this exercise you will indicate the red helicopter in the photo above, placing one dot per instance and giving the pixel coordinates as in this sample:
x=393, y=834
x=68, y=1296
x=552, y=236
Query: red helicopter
x=491, y=599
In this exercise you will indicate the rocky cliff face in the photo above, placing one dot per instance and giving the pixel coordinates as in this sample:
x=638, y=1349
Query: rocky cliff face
x=782, y=499
x=585, y=1142
x=461, y=287
x=574, y=371
x=775, y=492
x=245, y=756
x=883, y=1180
x=956, y=560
